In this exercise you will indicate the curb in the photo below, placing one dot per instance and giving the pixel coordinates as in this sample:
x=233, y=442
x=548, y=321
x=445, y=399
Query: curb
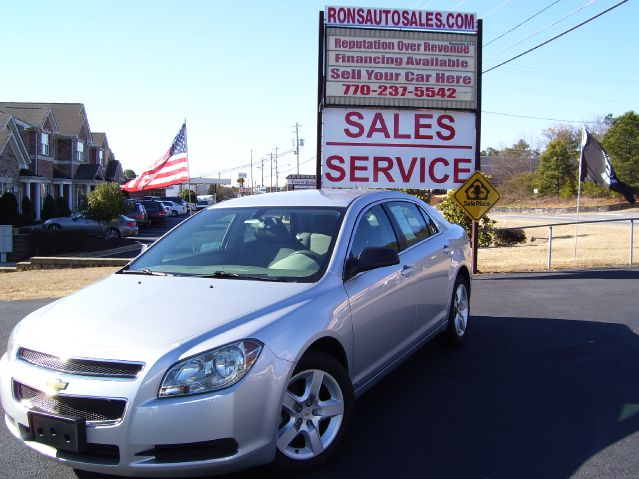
x=41, y=262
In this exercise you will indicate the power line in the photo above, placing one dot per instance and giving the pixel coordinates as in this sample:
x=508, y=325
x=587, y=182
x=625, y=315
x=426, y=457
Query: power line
x=536, y=117
x=525, y=21
x=561, y=95
x=589, y=2
x=555, y=37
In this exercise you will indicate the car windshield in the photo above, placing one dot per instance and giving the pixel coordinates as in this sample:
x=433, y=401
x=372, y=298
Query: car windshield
x=267, y=244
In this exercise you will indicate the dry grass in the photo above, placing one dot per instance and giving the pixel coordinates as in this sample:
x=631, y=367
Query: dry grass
x=601, y=244
x=48, y=283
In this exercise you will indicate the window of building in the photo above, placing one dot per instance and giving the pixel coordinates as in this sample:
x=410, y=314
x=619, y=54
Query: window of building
x=80, y=151
x=100, y=158
x=44, y=144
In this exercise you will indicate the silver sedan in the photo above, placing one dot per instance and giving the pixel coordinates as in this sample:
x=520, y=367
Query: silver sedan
x=119, y=228
x=265, y=316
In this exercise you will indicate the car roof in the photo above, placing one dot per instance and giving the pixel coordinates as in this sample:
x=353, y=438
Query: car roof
x=314, y=197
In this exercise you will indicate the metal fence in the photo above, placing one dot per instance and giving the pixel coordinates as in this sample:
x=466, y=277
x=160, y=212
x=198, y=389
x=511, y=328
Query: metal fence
x=600, y=246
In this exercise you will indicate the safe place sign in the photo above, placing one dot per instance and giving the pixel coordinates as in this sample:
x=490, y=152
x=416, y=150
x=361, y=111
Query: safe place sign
x=476, y=196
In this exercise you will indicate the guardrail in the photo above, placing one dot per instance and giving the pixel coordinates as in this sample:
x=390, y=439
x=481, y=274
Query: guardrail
x=577, y=223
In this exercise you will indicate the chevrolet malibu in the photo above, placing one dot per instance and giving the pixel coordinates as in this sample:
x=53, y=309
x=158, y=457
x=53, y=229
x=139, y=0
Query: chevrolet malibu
x=264, y=318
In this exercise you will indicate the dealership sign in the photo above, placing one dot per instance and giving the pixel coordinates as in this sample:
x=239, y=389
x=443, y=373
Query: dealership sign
x=398, y=18
x=419, y=149
x=400, y=98
x=400, y=69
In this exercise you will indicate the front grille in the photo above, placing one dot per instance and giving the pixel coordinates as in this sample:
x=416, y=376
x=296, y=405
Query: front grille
x=82, y=367
x=89, y=408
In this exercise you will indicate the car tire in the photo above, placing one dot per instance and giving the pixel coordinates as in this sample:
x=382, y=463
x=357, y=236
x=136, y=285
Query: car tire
x=458, y=313
x=113, y=234
x=54, y=227
x=317, y=409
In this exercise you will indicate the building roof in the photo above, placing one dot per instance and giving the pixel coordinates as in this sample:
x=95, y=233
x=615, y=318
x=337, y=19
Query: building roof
x=59, y=174
x=113, y=171
x=89, y=172
x=32, y=113
x=4, y=139
x=99, y=138
x=4, y=120
x=69, y=116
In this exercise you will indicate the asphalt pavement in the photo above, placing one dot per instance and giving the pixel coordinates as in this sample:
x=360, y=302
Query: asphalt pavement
x=544, y=387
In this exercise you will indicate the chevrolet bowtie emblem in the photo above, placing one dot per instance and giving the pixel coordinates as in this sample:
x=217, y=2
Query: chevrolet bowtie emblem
x=56, y=385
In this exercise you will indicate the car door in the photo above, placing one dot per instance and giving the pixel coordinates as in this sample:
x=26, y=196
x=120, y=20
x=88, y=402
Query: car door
x=426, y=255
x=382, y=306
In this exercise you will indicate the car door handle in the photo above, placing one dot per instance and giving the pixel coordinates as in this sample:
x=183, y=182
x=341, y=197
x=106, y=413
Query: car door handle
x=407, y=269
x=447, y=248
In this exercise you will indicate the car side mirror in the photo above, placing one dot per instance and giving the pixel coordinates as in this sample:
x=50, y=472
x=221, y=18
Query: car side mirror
x=370, y=258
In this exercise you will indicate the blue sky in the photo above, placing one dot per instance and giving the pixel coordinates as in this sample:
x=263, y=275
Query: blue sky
x=244, y=73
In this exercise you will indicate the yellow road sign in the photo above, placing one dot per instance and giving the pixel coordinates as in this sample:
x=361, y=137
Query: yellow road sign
x=476, y=196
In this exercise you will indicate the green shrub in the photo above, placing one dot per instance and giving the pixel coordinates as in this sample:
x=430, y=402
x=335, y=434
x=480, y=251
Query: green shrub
x=49, y=208
x=509, y=237
x=453, y=213
x=106, y=203
x=27, y=207
x=8, y=208
x=63, y=209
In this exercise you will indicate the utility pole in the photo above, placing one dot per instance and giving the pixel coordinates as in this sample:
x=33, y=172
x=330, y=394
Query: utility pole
x=271, y=189
x=277, y=177
x=297, y=145
x=251, y=180
x=262, y=168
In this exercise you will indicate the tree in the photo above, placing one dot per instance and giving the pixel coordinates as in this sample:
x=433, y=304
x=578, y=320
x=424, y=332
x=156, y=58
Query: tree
x=569, y=134
x=622, y=144
x=106, y=203
x=509, y=162
x=130, y=174
x=557, y=172
x=188, y=195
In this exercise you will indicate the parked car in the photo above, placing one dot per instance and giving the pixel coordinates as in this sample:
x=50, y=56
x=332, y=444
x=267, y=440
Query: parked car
x=297, y=303
x=174, y=208
x=137, y=211
x=116, y=229
x=202, y=204
x=156, y=211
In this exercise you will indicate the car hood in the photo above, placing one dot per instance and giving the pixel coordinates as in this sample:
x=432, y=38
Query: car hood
x=130, y=312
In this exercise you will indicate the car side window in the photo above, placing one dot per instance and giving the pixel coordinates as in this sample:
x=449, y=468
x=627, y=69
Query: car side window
x=432, y=226
x=374, y=229
x=410, y=221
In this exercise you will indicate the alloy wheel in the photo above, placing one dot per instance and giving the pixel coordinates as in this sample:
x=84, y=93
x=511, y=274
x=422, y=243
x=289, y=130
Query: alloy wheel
x=312, y=414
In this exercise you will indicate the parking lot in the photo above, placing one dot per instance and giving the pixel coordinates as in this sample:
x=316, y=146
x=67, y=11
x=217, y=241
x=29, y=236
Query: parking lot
x=545, y=386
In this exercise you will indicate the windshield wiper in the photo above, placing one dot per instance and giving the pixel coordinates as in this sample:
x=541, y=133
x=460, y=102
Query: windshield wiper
x=251, y=276
x=145, y=271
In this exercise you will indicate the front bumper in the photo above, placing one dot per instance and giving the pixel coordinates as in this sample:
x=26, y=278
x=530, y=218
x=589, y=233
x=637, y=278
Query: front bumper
x=212, y=433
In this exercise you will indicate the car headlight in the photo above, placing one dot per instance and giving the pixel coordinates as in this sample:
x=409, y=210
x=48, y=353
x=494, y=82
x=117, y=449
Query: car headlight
x=12, y=344
x=212, y=370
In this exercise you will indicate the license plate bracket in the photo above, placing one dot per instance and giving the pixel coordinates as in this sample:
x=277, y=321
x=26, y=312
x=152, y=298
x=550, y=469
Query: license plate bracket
x=65, y=433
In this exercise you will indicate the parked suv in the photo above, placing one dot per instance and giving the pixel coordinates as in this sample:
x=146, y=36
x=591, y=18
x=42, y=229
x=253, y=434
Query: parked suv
x=137, y=211
x=155, y=210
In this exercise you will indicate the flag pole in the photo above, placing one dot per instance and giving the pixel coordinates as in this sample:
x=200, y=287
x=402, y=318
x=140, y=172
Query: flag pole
x=188, y=167
x=581, y=155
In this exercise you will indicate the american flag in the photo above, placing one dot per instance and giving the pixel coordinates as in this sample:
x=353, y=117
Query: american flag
x=171, y=169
